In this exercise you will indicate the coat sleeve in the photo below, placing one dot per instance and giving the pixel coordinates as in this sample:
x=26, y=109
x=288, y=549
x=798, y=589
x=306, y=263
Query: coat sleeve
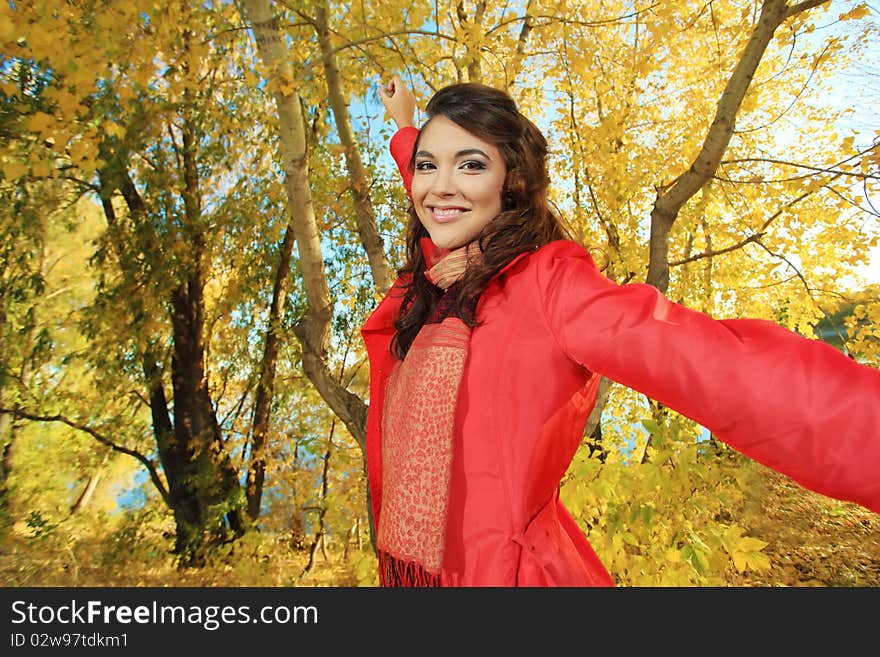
x=402, y=144
x=794, y=404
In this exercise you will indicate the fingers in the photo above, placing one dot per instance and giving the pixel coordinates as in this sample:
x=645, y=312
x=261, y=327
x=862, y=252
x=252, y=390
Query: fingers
x=398, y=100
x=392, y=86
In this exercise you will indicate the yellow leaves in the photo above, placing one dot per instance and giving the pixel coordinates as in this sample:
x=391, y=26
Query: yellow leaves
x=17, y=165
x=672, y=555
x=78, y=151
x=13, y=170
x=869, y=313
x=286, y=85
x=79, y=77
x=84, y=154
x=42, y=169
x=753, y=561
x=744, y=550
x=7, y=29
x=251, y=79
x=67, y=103
x=42, y=124
x=860, y=11
x=107, y=21
x=143, y=76
x=696, y=554
x=43, y=40
x=654, y=525
x=114, y=129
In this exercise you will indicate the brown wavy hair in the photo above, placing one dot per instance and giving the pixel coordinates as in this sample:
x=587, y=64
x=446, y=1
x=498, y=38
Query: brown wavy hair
x=526, y=221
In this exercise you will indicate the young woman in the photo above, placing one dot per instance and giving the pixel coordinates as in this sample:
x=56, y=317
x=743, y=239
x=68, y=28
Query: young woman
x=486, y=354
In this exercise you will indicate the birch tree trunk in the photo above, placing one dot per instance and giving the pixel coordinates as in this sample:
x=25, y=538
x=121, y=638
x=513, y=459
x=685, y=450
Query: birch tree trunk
x=313, y=328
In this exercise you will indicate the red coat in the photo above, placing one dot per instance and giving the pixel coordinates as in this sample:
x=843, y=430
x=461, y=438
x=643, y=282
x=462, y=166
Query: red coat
x=550, y=324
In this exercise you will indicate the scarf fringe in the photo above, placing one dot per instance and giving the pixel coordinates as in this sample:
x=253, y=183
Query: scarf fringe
x=394, y=572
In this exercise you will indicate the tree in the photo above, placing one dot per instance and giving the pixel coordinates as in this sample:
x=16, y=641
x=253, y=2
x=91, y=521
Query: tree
x=148, y=137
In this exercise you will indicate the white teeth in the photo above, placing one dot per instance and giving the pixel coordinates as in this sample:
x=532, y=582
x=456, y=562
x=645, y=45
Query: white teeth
x=446, y=213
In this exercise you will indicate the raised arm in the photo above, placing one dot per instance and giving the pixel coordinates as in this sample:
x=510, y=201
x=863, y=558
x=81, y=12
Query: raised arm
x=400, y=104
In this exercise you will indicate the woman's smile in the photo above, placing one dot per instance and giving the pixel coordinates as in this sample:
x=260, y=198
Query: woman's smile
x=444, y=215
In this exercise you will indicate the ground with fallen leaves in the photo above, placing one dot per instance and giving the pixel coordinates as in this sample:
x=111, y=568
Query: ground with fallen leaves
x=813, y=540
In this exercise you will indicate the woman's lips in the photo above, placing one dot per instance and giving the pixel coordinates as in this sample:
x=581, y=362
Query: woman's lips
x=445, y=215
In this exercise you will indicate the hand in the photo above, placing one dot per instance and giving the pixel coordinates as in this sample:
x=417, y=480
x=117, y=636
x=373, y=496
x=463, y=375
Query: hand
x=399, y=102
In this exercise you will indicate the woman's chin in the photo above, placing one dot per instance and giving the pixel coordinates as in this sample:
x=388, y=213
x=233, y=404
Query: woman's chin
x=447, y=243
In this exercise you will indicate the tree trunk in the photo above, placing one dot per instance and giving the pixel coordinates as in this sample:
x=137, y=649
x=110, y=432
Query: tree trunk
x=7, y=438
x=313, y=328
x=322, y=507
x=365, y=216
x=266, y=387
x=6, y=434
x=202, y=482
x=473, y=49
x=670, y=201
x=593, y=428
x=516, y=62
x=88, y=492
x=8, y=431
x=209, y=475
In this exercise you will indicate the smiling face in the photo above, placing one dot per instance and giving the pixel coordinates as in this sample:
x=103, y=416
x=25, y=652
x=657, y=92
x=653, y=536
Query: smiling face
x=457, y=183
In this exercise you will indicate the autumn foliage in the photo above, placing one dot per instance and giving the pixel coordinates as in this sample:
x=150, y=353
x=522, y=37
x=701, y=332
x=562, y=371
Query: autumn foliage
x=198, y=211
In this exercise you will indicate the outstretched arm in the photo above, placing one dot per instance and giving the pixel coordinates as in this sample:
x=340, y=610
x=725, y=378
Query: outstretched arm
x=794, y=404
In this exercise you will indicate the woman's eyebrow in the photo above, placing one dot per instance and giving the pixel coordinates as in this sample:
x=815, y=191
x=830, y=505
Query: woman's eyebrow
x=462, y=153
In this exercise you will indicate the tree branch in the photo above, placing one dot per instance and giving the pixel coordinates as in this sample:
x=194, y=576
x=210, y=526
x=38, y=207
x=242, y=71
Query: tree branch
x=794, y=10
x=753, y=238
x=806, y=287
x=714, y=252
x=670, y=201
x=151, y=469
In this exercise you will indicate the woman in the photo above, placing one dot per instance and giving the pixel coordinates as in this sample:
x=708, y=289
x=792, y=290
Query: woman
x=486, y=354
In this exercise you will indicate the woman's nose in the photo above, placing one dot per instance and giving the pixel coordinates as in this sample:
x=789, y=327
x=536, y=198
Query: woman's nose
x=442, y=182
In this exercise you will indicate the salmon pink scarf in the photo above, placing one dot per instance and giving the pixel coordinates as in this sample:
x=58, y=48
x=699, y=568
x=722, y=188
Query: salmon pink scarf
x=417, y=439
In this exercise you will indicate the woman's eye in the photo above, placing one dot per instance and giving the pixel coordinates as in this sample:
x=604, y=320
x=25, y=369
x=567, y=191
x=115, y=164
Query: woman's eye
x=424, y=166
x=473, y=165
